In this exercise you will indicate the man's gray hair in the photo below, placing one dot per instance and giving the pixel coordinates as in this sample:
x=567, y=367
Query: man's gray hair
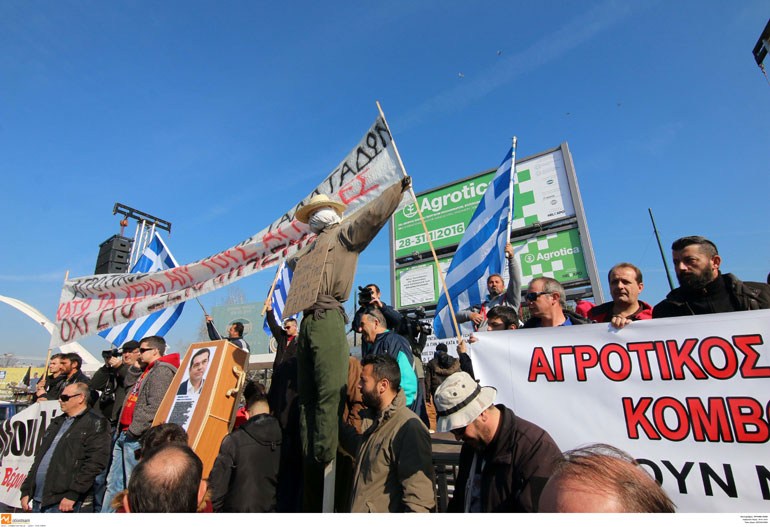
x=551, y=285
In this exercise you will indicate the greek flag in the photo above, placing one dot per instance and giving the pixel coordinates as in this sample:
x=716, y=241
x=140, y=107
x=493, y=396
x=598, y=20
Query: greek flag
x=481, y=251
x=156, y=257
x=280, y=292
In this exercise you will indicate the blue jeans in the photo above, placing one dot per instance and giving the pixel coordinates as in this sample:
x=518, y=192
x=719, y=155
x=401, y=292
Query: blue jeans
x=54, y=508
x=123, y=463
x=100, y=483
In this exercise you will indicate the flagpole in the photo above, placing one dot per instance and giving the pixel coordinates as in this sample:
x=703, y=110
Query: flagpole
x=48, y=357
x=425, y=228
x=272, y=288
x=510, y=190
x=203, y=308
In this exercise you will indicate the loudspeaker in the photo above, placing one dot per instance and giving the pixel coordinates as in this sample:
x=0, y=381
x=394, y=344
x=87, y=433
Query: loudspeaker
x=114, y=255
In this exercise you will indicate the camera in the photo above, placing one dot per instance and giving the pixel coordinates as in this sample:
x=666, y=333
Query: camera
x=107, y=354
x=414, y=329
x=412, y=320
x=364, y=296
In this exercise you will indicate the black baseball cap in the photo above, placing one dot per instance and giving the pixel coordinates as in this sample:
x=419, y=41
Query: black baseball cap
x=129, y=346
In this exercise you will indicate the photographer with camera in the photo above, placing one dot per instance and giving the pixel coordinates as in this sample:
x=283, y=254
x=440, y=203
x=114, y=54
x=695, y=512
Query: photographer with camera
x=408, y=325
x=109, y=380
x=369, y=296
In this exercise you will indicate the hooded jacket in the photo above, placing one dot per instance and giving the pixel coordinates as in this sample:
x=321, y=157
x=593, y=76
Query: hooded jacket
x=394, y=462
x=152, y=389
x=245, y=473
x=439, y=368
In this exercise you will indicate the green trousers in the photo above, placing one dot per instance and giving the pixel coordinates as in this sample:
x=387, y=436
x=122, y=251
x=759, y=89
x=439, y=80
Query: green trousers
x=322, y=360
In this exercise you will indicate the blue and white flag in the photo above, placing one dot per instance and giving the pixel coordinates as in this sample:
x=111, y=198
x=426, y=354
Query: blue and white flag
x=481, y=251
x=156, y=257
x=280, y=293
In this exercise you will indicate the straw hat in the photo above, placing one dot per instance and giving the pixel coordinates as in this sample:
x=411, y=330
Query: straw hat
x=317, y=202
x=460, y=400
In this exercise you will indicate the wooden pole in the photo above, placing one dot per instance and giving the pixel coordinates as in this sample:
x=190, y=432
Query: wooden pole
x=427, y=233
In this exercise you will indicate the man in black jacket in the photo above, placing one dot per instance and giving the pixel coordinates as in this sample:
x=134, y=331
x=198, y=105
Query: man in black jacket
x=54, y=380
x=505, y=461
x=234, y=334
x=74, y=450
x=109, y=380
x=703, y=288
x=244, y=477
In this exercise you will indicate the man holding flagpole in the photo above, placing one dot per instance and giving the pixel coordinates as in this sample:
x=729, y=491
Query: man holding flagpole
x=498, y=294
x=479, y=256
x=322, y=344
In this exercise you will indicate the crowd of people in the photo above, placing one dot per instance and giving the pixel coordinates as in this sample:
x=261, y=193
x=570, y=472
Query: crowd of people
x=101, y=453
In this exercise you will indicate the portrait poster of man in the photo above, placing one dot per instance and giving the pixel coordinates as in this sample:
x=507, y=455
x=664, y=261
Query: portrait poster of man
x=191, y=386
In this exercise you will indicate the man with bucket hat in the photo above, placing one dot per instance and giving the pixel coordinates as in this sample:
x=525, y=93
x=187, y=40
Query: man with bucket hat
x=322, y=346
x=505, y=460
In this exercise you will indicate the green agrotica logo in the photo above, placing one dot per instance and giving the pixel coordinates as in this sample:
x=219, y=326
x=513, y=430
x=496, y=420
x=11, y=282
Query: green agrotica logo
x=550, y=255
x=435, y=204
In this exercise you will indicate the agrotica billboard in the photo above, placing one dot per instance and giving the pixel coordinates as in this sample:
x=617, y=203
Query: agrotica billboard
x=548, y=231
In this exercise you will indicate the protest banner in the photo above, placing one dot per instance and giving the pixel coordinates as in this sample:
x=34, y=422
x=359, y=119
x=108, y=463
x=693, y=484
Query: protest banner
x=93, y=303
x=20, y=437
x=687, y=397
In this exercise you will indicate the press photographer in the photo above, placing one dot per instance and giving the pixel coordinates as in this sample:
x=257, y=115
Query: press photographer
x=369, y=297
x=408, y=325
x=109, y=380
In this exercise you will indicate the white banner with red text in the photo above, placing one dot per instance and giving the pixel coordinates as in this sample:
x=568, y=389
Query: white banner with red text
x=687, y=397
x=94, y=303
x=20, y=437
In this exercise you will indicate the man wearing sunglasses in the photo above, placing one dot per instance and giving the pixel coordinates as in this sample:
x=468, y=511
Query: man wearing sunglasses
x=74, y=450
x=547, y=303
x=149, y=379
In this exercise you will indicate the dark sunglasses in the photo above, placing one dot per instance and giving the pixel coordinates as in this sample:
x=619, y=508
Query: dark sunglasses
x=142, y=350
x=531, y=297
x=64, y=397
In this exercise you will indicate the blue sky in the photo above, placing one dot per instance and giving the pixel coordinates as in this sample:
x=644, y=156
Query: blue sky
x=219, y=116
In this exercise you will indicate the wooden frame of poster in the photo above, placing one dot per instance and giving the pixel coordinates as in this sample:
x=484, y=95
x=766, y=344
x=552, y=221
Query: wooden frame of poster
x=208, y=414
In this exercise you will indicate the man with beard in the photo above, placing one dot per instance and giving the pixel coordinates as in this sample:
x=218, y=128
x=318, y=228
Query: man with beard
x=703, y=288
x=394, y=464
x=505, y=461
x=322, y=347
